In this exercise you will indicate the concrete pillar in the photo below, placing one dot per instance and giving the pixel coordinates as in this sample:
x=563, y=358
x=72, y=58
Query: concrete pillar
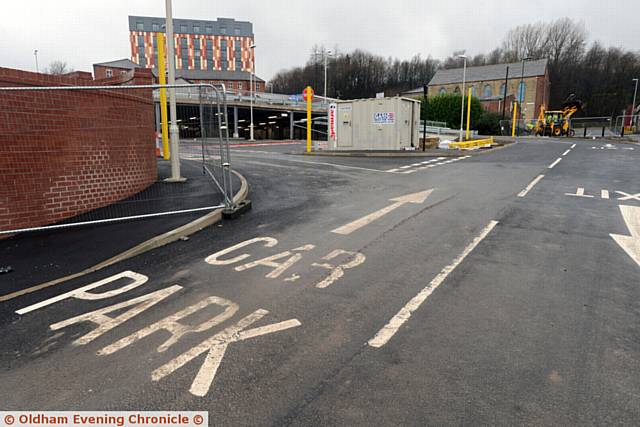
x=235, y=122
x=290, y=124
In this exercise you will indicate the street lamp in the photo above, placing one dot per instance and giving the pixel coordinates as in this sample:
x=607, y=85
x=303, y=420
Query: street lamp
x=251, y=89
x=464, y=77
x=326, y=53
x=521, y=90
x=174, y=133
x=633, y=106
x=35, y=53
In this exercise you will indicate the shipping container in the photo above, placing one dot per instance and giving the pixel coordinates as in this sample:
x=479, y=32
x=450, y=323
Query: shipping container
x=374, y=124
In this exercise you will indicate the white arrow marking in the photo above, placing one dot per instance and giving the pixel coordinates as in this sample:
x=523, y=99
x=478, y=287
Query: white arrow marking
x=416, y=198
x=630, y=244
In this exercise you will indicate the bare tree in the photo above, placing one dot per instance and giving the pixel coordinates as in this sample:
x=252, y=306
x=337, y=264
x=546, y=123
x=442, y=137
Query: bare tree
x=58, y=68
x=524, y=41
x=565, y=40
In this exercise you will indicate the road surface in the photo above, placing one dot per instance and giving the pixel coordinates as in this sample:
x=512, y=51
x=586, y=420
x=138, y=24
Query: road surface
x=496, y=289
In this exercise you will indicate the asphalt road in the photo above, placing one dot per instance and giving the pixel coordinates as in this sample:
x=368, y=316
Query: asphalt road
x=491, y=295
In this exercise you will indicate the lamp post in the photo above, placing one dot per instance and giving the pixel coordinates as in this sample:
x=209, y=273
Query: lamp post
x=633, y=106
x=251, y=89
x=174, y=134
x=35, y=53
x=325, y=54
x=504, y=95
x=521, y=90
x=464, y=77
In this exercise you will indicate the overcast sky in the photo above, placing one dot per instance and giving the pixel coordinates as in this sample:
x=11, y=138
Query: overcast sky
x=82, y=32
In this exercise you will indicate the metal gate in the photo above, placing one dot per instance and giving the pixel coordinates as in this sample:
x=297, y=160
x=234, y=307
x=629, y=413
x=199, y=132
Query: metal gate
x=158, y=199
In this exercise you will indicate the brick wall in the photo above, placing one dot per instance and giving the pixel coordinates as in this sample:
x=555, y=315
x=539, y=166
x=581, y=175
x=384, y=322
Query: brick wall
x=100, y=71
x=63, y=153
x=535, y=90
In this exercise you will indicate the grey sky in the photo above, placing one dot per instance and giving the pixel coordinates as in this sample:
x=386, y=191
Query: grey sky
x=82, y=32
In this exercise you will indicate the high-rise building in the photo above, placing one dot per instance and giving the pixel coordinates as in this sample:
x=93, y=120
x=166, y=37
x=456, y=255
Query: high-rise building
x=221, y=45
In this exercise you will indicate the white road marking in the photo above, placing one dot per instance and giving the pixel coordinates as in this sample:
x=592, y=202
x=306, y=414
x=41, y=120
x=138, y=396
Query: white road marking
x=338, y=271
x=106, y=323
x=630, y=244
x=335, y=165
x=172, y=325
x=216, y=346
x=415, y=198
x=213, y=259
x=573, y=146
x=566, y=152
x=278, y=268
x=388, y=331
x=604, y=194
x=530, y=186
x=81, y=293
x=579, y=193
x=555, y=163
x=407, y=169
x=627, y=196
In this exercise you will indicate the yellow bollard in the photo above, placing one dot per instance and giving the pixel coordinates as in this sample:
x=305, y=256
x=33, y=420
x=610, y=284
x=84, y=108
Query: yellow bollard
x=513, y=122
x=309, y=93
x=468, y=113
x=163, y=97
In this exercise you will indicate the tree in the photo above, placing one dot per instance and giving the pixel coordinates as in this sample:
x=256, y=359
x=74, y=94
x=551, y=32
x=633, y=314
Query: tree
x=357, y=74
x=446, y=108
x=58, y=68
x=524, y=41
x=488, y=123
x=598, y=75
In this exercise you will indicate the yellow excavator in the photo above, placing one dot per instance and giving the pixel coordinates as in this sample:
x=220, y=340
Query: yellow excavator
x=558, y=122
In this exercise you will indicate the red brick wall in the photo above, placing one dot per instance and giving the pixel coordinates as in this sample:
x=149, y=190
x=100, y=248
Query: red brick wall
x=63, y=153
x=100, y=71
x=542, y=93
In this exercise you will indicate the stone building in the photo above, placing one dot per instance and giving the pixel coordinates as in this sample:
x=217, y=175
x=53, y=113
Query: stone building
x=487, y=83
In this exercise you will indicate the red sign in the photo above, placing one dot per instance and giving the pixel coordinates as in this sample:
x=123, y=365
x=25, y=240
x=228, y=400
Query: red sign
x=332, y=121
x=304, y=94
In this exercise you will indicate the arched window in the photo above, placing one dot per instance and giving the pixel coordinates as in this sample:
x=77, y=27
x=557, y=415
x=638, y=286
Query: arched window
x=457, y=90
x=487, y=92
x=473, y=91
x=502, y=88
x=443, y=90
x=522, y=88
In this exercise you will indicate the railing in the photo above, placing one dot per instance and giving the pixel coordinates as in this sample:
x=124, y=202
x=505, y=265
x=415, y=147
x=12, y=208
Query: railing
x=619, y=127
x=191, y=93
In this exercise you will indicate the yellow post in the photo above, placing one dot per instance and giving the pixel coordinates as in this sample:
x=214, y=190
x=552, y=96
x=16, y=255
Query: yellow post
x=308, y=91
x=513, y=122
x=468, y=113
x=163, y=97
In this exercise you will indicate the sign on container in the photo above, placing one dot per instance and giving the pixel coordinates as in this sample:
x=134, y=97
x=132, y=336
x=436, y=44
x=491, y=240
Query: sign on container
x=384, y=118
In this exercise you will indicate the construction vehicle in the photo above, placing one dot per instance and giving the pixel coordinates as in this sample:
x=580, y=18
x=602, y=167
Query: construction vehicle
x=558, y=122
